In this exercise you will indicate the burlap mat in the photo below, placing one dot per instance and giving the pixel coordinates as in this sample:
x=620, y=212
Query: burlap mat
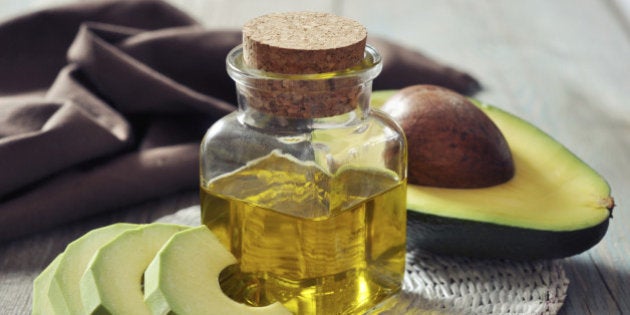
x=456, y=285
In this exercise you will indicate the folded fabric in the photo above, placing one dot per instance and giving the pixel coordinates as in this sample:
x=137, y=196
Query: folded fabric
x=103, y=104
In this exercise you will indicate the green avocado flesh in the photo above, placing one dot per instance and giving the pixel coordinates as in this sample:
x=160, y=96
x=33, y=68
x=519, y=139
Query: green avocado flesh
x=183, y=278
x=112, y=281
x=64, y=291
x=554, y=206
x=42, y=304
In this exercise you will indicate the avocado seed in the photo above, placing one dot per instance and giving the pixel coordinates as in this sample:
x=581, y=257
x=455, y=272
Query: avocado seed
x=452, y=143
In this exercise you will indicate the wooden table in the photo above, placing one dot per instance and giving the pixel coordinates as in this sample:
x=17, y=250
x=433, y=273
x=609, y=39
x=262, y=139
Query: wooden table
x=563, y=65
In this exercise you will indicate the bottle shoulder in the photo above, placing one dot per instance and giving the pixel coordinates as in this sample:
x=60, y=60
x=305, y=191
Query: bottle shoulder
x=377, y=126
x=386, y=120
x=375, y=142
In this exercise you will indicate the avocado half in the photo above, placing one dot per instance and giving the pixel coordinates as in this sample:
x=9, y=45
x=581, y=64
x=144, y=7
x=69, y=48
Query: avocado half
x=555, y=205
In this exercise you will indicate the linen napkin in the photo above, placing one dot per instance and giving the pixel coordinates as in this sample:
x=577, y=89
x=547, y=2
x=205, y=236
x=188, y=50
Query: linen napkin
x=103, y=105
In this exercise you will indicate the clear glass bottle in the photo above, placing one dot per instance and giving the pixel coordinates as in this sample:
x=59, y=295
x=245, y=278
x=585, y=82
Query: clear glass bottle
x=306, y=185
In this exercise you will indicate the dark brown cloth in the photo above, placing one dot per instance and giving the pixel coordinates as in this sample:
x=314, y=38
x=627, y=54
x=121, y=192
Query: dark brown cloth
x=103, y=104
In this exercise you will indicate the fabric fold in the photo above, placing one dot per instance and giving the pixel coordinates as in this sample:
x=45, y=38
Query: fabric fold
x=68, y=86
x=90, y=189
x=68, y=136
x=35, y=44
x=146, y=89
x=103, y=104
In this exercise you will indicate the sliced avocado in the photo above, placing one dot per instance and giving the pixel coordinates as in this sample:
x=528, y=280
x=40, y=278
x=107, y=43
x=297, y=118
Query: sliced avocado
x=112, y=282
x=554, y=206
x=41, y=303
x=63, y=291
x=183, y=278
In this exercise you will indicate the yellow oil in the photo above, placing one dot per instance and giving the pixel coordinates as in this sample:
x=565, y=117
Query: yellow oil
x=317, y=243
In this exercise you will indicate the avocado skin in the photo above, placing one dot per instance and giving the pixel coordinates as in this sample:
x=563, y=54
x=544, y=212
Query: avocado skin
x=449, y=236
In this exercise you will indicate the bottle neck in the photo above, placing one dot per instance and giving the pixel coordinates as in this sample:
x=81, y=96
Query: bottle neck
x=261, y=119
x=301, y=102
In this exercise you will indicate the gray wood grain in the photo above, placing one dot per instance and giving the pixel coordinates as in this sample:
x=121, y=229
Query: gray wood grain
x=563, y=65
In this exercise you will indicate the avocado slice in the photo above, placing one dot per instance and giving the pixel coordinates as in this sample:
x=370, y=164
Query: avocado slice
x=183, y=278
x=63, y=291
x=112, y=282
x=555, y=205
x=41, y=303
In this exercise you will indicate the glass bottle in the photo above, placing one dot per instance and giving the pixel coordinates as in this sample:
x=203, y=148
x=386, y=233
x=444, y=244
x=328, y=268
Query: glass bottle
x=306, y=185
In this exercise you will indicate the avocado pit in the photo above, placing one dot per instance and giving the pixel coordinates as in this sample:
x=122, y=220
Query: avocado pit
x=452, y=143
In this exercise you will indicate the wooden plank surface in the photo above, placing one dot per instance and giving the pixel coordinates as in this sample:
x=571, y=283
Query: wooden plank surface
x=563, y=65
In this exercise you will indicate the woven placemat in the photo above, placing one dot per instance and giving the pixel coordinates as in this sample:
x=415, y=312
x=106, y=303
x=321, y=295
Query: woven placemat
x=455, y=285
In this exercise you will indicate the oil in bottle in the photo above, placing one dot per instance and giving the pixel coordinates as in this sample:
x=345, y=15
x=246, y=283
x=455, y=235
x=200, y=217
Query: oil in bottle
x=272, y=215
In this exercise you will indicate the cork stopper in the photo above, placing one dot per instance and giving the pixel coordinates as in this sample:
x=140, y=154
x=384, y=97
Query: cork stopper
x=292, y=50
x=303, y=43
